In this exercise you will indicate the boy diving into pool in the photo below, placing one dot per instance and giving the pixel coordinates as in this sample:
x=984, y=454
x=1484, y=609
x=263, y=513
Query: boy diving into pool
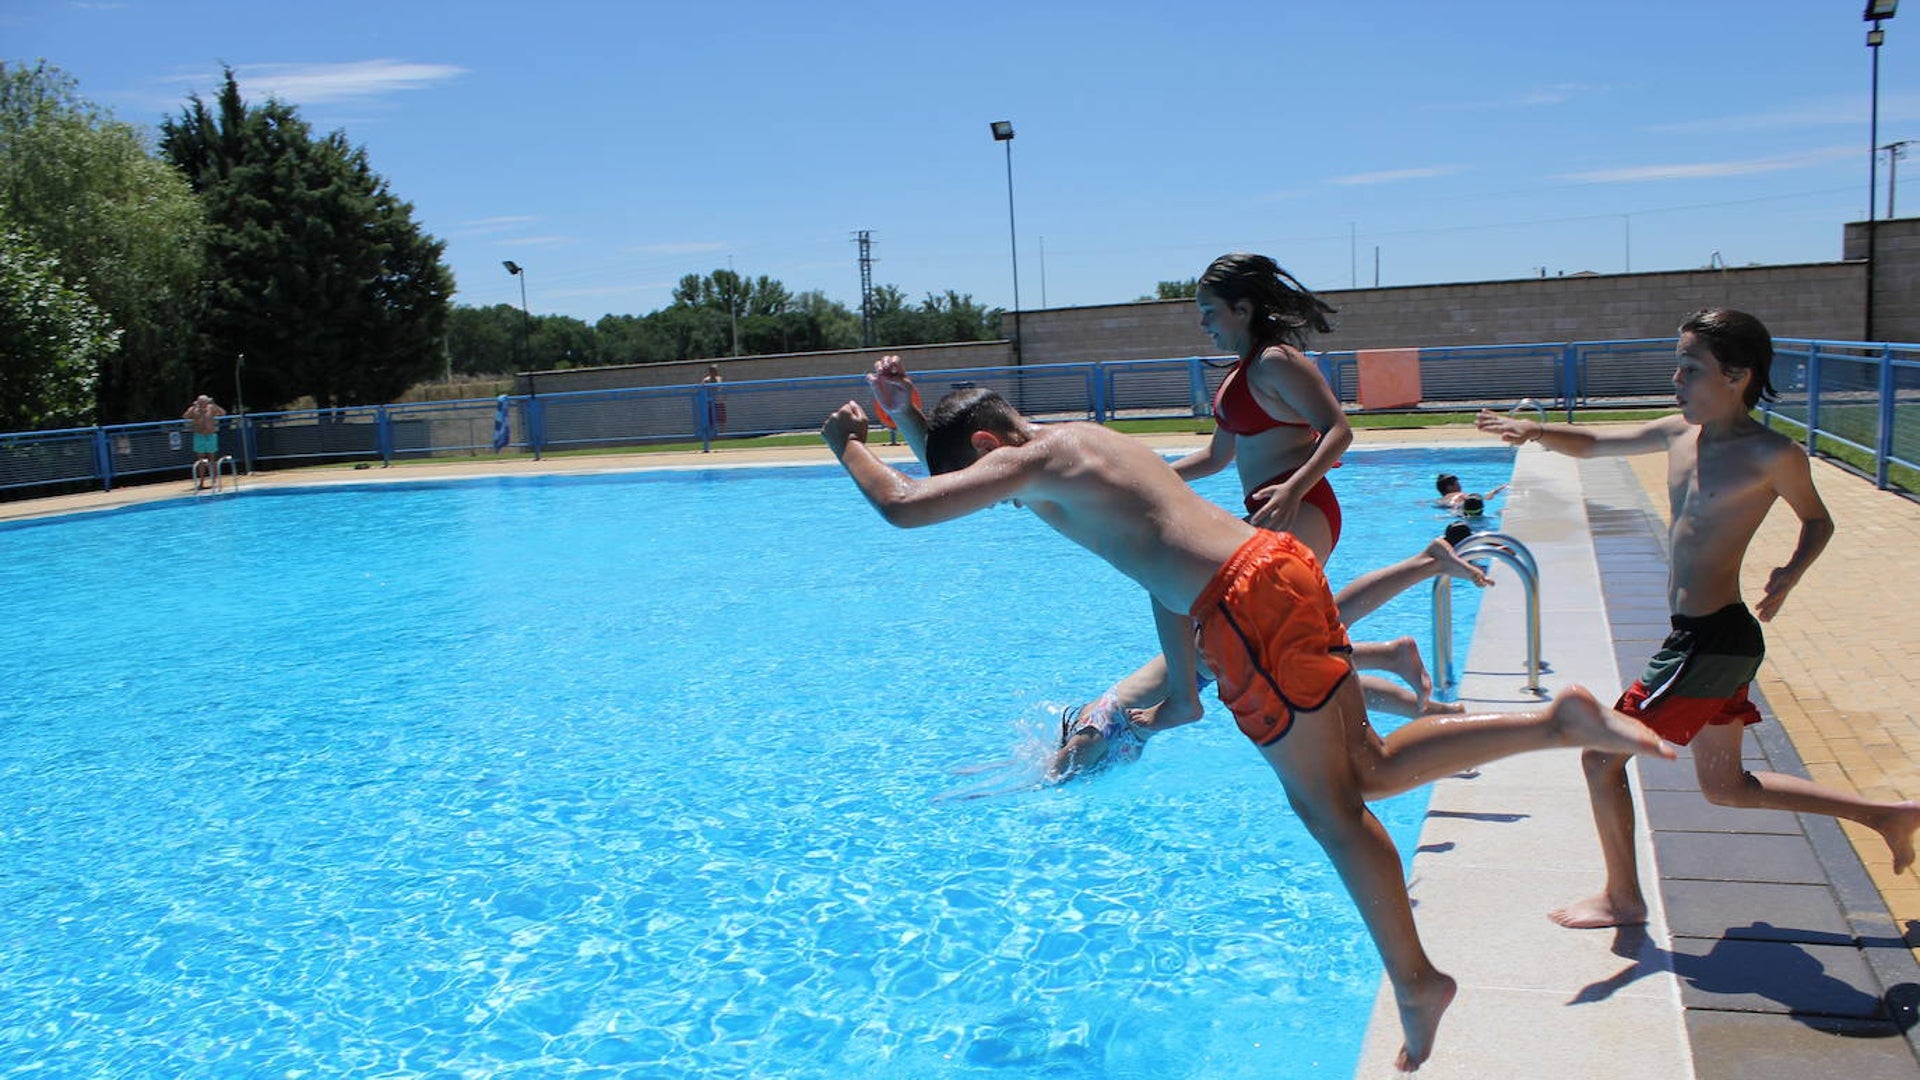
x=1724, y=471
x=1255, y=605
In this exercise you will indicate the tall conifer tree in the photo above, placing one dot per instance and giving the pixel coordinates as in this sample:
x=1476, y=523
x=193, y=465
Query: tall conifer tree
x=318, y=274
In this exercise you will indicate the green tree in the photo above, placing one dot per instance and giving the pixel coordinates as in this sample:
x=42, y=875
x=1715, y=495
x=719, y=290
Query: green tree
x=52, y=341
x=1175, y=290
x=484, y=341
x=123, y=228
x=318, y=274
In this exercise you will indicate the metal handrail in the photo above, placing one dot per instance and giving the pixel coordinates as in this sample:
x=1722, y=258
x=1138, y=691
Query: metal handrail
x=214, y=472
x=1506, y=549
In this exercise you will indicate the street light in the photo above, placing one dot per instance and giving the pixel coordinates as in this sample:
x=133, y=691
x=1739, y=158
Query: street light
x=526, y=320
x=1876, y=10
x=1003, y=132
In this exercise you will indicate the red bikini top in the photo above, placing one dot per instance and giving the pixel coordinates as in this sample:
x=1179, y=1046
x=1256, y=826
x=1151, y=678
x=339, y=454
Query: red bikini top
x=1235, y=409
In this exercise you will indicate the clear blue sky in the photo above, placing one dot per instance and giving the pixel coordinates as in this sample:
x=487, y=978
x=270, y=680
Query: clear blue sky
x=612, y=147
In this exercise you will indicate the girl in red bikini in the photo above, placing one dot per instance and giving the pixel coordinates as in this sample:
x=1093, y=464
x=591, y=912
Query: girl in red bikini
x=1279, y=421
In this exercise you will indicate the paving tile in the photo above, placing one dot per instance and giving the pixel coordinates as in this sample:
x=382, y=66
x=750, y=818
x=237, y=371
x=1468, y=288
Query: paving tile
x=1738, y=857
x=1776, y=977
x=1745, y=1046
x=1689, y=811
x=1756, y=911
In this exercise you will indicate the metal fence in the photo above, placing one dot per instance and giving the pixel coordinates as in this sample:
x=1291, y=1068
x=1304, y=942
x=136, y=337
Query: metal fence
x=1848, y=399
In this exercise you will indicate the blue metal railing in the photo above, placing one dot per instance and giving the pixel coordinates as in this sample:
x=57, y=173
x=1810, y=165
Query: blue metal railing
x=1857, y=395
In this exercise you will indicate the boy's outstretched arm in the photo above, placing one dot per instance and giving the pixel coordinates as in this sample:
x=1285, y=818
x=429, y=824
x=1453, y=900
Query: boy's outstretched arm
x=909, y=503
x=894, y=391
x=1793, y=479
x=1579, y=441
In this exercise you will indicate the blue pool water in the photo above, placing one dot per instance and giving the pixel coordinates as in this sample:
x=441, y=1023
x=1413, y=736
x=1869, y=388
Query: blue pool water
x=640, y=776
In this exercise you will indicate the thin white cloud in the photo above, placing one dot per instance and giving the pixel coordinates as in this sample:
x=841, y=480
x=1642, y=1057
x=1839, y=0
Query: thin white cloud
x=1538, y=97
x=311, y=84
x=1390, y=176
x=490, y=225
x=693, y=247
x=1701, y=170
x=1846, y=112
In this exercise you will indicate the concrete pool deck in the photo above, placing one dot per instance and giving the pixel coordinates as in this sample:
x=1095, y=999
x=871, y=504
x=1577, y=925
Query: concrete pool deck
x=1780, y=945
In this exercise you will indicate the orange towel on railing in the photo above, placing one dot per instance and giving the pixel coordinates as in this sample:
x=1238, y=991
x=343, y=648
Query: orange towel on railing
x=1389, y=378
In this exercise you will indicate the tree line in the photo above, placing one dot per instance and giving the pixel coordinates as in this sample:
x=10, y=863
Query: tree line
x=237, y=252
x=712, y=315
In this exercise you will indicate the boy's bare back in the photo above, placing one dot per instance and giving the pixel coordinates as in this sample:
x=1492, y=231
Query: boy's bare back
x=1105, y=491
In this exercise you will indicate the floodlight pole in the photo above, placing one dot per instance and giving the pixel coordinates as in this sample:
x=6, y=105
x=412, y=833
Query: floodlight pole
x=1876, y=11
x=1003, y=132
x=526, y=319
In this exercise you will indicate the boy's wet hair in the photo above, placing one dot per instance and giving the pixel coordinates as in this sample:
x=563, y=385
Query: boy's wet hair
x=1447, y=483
x=957, y=416
x=1739, y=342
x=1283, y=309
x=1473, y=505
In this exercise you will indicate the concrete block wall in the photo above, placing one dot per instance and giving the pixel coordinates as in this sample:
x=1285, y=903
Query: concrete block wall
x=1825, y=301
x=1896, y=277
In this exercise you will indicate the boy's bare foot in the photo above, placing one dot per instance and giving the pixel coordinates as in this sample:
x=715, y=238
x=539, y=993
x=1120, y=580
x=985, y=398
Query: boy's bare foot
x=1599, y=911
x=1420, y=1010
x=1404, y=660
x=1897, y=831
x=1443, y=708
x=1584, y=722
x=1451, y=564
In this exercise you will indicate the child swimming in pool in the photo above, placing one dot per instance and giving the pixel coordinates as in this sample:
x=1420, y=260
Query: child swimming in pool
x=1470, y=503
x=1724, y=471
x=1256, y=607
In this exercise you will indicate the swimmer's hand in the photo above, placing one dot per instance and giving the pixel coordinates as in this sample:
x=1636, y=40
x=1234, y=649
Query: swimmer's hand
x=1171, y=713
x=1279, y=506
x=847, y=424
x=1779, y=584
x=1511, y=431
x=891, y=386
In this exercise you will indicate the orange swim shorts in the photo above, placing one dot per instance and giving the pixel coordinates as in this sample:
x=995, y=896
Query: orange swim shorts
x=1268, y=628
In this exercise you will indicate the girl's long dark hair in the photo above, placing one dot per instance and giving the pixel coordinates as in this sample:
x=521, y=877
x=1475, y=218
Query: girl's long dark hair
x=1284, y=311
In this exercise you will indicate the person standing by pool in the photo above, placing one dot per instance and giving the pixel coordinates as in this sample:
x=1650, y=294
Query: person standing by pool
x=1254, y=605
x=1724, y=471
x=716, y=404
x=203, y=418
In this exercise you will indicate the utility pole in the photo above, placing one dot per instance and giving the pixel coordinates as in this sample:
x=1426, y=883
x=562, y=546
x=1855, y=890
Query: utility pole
x=865, y=239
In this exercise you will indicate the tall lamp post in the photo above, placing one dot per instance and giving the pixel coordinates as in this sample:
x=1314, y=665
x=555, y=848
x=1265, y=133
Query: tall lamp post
x=526, y=320
x=1876, y=11
x=1003, y=132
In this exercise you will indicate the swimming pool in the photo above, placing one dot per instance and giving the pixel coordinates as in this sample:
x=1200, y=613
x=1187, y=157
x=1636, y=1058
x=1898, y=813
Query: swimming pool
x=639, y=776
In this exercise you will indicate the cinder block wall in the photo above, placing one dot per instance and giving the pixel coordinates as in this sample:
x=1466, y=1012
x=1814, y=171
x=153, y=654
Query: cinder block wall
x=1813, y=300
x=1804, y=300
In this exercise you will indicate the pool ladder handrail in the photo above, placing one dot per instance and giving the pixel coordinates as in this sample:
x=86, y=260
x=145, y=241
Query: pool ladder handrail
x=1506, y=549
x=223, y=462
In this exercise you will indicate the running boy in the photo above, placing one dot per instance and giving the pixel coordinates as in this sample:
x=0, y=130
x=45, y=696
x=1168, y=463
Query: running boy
x=1266, y=625
x=1724, y=471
